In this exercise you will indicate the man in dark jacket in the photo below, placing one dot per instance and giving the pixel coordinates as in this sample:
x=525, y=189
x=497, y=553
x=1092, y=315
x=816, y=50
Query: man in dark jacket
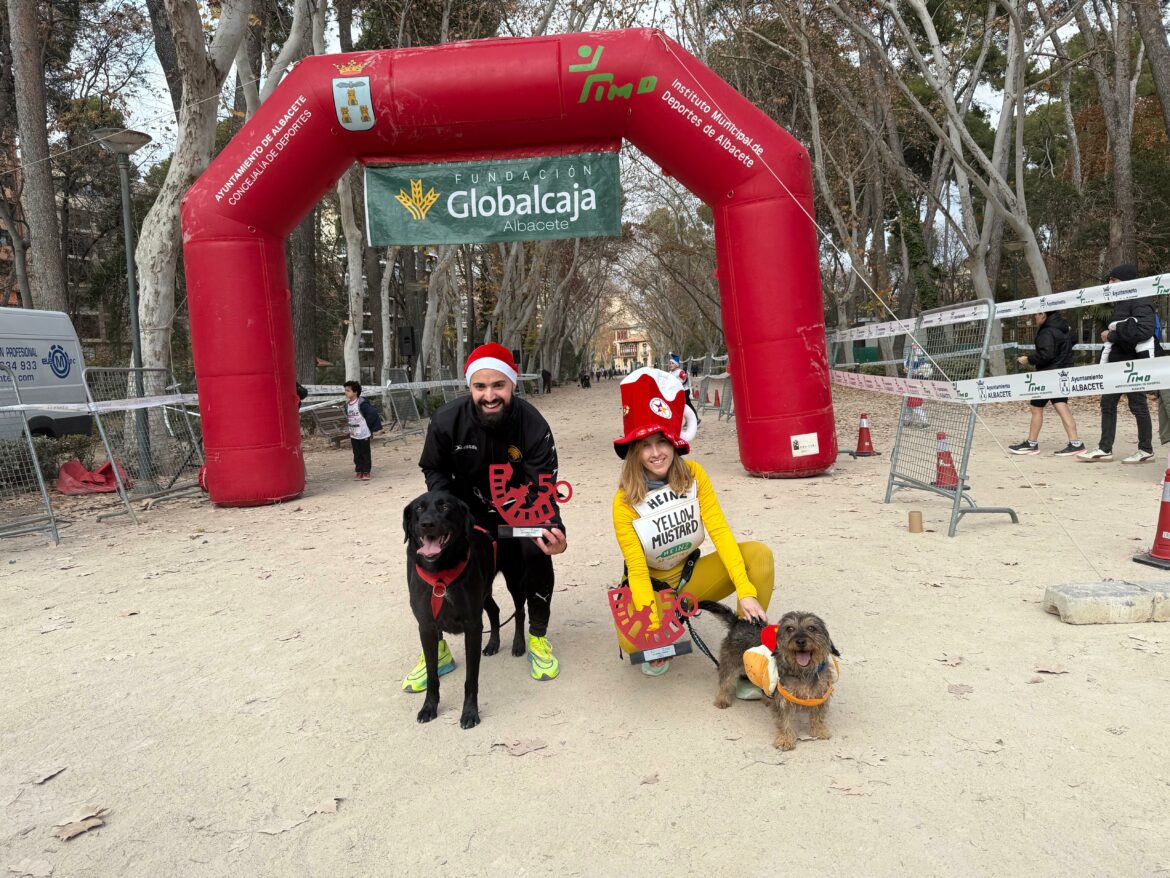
x=1130, y=336
x=1054, y=350
x=465, y=438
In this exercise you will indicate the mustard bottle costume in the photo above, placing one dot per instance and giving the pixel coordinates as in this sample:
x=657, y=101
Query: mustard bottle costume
x=657, y=534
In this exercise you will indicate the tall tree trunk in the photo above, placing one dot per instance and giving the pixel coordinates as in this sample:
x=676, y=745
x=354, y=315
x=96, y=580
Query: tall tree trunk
x=1149, y=21
x=46, y=278
x=387, y=308
x=354, y=248
x=164, y=45
x=18, y=247
x=302, y=246
x=203, y=71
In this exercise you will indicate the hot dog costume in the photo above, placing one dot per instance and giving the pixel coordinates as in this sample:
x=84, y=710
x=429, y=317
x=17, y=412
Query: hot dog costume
x=658, y=534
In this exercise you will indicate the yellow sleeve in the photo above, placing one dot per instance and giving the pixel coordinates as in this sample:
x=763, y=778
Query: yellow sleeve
x=721, y=535
x=637, y=570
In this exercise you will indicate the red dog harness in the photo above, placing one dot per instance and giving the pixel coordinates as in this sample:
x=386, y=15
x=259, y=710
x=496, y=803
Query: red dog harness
x=443, y=578
x=439, y=582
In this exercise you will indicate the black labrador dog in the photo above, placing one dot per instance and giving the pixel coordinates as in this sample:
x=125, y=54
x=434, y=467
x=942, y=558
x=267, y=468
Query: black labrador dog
x=450, y=568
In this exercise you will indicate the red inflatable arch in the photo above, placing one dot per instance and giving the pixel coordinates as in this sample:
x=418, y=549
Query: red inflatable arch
x=491, y=99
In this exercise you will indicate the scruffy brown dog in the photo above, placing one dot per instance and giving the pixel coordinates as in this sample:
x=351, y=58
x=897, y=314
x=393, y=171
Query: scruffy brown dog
x=804, y=652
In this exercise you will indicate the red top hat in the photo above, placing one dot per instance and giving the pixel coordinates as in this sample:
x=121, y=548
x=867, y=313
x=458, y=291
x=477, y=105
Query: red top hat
x=652, y=402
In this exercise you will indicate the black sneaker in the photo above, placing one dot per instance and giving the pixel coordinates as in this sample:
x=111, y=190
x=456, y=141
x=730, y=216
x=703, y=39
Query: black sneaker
x=1025, y=447
x=1070, y=449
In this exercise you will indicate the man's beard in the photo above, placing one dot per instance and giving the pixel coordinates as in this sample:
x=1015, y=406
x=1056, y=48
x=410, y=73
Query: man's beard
x=495, y=419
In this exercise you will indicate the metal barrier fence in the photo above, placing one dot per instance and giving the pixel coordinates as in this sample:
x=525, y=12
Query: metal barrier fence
x=933, y=443
x=25, y=507
x=154, y=447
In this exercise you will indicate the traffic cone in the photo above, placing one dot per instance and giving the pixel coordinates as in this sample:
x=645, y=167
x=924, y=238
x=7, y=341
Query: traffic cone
x=864, y=442
x=1159, y=556
x=915, y=414
x=945, y=475
x=716, y=399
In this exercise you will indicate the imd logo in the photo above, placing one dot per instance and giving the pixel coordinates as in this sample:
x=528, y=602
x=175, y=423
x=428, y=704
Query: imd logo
x=416, y=203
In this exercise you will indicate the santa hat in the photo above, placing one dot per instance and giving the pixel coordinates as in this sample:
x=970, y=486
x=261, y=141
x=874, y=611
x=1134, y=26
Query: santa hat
x=674, y=358
x=652, y=402
x=490, y=356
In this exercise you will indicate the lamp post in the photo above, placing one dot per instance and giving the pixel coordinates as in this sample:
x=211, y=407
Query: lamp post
x=123, y=143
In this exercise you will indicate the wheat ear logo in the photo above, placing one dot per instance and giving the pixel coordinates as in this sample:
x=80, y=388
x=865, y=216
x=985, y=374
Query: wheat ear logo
x=416, y=203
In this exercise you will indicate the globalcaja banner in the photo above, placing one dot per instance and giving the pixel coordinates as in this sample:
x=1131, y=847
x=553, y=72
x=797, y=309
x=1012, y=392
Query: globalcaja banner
x=571, y=196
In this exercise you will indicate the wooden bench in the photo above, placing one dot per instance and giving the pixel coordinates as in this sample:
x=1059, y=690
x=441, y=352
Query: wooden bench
x=332, y=423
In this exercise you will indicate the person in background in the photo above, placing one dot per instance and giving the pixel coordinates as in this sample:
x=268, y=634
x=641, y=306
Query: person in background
x=1054, y=350
x=1130, y=336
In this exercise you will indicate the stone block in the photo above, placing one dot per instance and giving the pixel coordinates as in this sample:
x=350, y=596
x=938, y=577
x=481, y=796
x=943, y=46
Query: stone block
x=1099, y=603
x=1161, y=593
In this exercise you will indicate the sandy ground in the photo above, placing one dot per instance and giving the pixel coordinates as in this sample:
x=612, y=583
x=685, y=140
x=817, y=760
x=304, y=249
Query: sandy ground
x=221, y=680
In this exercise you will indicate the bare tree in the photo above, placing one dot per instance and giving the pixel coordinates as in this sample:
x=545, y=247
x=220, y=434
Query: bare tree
x=46, y=273
x=1148, y=14
x=202, y=70
x=1108, y=34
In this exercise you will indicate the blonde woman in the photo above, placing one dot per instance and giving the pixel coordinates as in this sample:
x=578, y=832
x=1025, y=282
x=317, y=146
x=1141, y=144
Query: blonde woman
x=665, y=508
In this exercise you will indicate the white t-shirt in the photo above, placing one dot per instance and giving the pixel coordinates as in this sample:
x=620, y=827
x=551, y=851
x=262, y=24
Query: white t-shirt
x=358, y=428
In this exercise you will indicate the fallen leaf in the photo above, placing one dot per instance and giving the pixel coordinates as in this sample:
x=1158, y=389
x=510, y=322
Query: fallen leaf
x=329, y=806
x=32, y=868
x=1050, y=669
x=594, y=563
x=55, y=626
x=520, y=747
x=951, y=661
x=295, y=635
x=649, y=779
x=870, y=757
x=85, y=820
x=1036, y=680
x=961, y=690
x=127, y=613
x=42, y=776
x=851, y=791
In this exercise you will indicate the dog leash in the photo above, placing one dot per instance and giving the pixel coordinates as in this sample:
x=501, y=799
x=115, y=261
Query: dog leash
x=685, y=577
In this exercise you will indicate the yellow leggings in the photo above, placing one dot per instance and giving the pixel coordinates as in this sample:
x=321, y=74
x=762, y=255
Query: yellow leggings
x=711, y=582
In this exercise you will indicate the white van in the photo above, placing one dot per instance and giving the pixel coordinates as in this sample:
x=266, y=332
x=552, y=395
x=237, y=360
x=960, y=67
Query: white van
x=41, y=347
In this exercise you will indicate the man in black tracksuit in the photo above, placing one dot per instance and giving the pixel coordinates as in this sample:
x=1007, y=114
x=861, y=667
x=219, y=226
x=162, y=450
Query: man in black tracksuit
x=1054, y=350
x=1130, y=336
x=466, y=437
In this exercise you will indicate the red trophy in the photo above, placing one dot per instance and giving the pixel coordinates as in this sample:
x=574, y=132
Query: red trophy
x=663, y=642
x=526, y=509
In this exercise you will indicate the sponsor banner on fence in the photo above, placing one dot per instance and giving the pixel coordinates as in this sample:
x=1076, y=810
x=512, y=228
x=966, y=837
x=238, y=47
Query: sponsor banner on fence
x=109, y=405
x=1131, y=376
x=1157, y=285
x=568, y=196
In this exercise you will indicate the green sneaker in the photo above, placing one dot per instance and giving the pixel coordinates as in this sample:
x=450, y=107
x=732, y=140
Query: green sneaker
x=746, y=690
x=544, y=664
x=416, y=680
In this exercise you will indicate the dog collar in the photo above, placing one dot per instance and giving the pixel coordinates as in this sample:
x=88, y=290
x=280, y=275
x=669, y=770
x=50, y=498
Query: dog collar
x=812, y=702
x=439, y=581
